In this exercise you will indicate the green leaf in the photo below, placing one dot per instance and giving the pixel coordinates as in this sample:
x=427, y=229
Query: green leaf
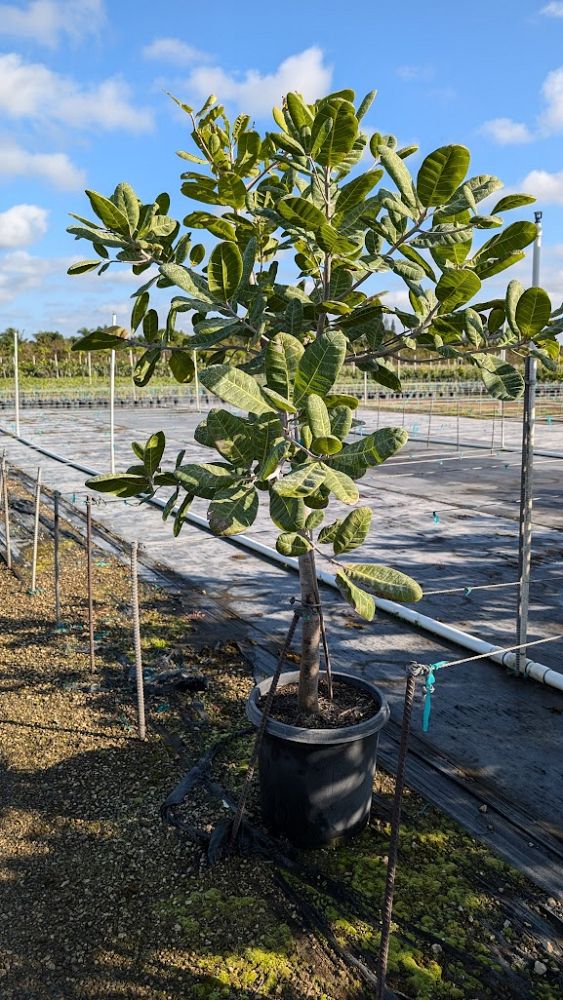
x=314, y=519
x=232, y=190
x=385, y=582
x=128, y=203
x=83, y=266
x=362, y=603
x=145, y=366
x=271, y=462
x=340, y=140
x=150, y=325
x=283, y=353
x=512, y=201
x=301, y=212
x=456, y=287
x=139, y=310
x=317, y=417
x=501, y=380
x=340, y=484
x=181, y=277
x=224, y=270
x=487, y=268
x=375, y=448
x=236, y=387
x=446, y=234
x=514, y=237
x=233, y=510
x=182, y=366
x=352, y=531
x=111, y=216
x=293, y=317
x=279, y=401
x=287, y=513
x=99, y=340
x=514, y=291
x=298, y=111
x=473, y=327
x=232, y=436
x=302, y=481
x=441, y=173
x=181, y=514
x=399, y=173
x=328, y=533
x=341, y=421
x=214, y=224
x=320, y=365
x=206, y=478
x=121, y=485
x=355, y=191
x=290, y=543
x=153, y=452
x=533, y=312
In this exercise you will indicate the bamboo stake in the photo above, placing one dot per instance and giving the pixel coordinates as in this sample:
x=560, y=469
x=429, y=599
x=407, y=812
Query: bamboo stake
x=36, y=531
x=137, y=641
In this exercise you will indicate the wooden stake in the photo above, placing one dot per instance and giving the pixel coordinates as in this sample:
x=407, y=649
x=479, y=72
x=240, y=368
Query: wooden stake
x=137, y=641
x=36, y=531
x=90, y=581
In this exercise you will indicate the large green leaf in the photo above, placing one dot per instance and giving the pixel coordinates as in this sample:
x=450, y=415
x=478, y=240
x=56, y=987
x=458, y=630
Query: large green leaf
x=153, y=452
x=301, y=212
x=533, y=312
x=487, y=268
x=232, y=437
x=111, y=216
x=121, y=485
x=354, y=192
x=339, y=141
x=236, y=387
x=182, y=366
x=302, y=481
x=371, y=450
x=233, y=510
x=513, y=292
x=441, y=173
x=181, y=277
x=291, y=543
x=320, y=365
x=512, y=201
x=287, y=513
x=362, y=603
x=384, y=582
x=514, y=237
x=339, y=483
x=352, y=531
x=224, y=270
x=205, y=478
x=501, y=380
x=341, y=421
x=283, y=353
x=324, y=442
x=99, y=340
x=396, y=169
x=455, y=288
x=83, y=266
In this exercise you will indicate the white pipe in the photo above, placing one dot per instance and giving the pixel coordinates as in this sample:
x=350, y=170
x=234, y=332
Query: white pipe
x=537, y=671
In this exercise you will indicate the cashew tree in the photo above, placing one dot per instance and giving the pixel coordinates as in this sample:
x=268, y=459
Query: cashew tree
x=301, y=229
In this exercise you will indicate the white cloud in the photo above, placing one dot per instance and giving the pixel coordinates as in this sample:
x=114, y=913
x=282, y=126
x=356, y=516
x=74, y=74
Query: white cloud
x=547, y=188
x=32, y=90
x=21, y=272
x=412, y=74
x=21, y=225
x=552, y=118
x=505, y=131
x=554, y=9
x=47, y=22
x=175, y=51
x=56, y=168
x=305, y=72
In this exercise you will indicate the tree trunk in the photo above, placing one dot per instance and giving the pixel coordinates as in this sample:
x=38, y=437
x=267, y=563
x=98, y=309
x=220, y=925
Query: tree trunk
x=310, y=636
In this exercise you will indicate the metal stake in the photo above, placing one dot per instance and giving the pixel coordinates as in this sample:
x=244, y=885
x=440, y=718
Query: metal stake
x=365, y=388
x=196, y=383
x=16, y=383
x=527, y=479
x=387, y=907
x=137, y=641
x=6, y=512
x=36, y=531
x=112, y=412
x=56, y=530
x=90, y=581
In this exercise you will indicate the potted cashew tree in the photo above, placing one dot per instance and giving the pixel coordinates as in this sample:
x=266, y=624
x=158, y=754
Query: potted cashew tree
x=303, y=227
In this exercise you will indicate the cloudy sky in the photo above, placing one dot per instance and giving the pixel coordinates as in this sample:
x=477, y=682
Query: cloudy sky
x=83, y=104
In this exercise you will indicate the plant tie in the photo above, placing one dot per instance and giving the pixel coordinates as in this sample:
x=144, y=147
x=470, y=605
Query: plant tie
x=429, y=687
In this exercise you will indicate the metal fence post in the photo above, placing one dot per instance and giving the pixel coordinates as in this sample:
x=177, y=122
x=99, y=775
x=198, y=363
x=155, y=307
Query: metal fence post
x=137, y=641
x=36, y=531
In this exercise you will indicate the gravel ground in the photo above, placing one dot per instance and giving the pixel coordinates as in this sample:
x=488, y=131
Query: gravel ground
x=101, y=901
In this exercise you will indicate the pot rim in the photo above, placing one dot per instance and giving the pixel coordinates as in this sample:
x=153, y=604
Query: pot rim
x=299, y=734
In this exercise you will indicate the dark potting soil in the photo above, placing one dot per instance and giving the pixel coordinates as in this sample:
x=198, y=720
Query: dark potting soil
x=349, y=706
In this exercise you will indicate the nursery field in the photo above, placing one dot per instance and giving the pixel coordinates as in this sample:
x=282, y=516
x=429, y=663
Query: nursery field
x=447, y=516
x=101, y=900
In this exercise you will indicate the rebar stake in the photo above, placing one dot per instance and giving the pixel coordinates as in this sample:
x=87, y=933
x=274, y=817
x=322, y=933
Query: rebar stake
x=36, y=531
x=90, y=581
x=137, y=641
x=56, y=530
x=413, y=672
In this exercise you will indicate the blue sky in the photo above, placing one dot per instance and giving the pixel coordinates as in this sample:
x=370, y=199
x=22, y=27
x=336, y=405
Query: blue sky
x=82, y=104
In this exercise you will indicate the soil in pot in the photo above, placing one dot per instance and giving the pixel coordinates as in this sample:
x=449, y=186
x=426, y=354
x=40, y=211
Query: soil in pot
x=349, y=705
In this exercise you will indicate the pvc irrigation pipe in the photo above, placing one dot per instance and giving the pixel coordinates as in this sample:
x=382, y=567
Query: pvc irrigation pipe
x=537, y=671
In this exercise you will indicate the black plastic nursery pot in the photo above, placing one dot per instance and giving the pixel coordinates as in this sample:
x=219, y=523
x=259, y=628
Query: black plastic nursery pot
x=316, y=784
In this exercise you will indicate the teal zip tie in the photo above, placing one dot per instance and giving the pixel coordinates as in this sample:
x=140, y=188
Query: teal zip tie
x=549, y=420
x=435, y=517
x=429, y=686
